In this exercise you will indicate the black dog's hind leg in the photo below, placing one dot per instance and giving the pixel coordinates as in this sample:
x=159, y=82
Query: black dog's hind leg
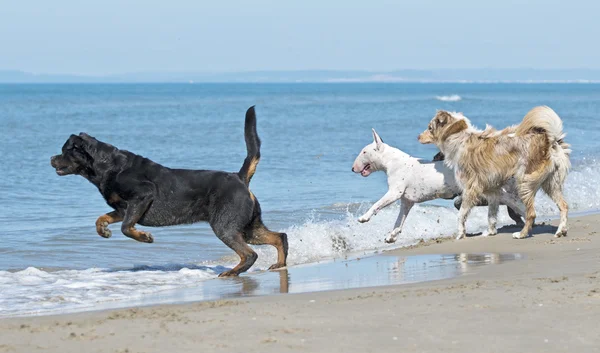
x=103, y=221
x=235, y=241
x=258, y=234
x=135, y=210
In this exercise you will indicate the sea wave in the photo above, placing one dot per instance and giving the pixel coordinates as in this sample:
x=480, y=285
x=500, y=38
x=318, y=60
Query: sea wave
x=451, y=98
x=34, y=291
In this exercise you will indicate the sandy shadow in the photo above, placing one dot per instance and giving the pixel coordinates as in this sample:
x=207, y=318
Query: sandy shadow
x=537, y=229
x=509, y=229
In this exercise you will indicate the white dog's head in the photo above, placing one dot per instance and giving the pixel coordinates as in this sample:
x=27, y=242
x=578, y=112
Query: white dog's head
x=369, y=159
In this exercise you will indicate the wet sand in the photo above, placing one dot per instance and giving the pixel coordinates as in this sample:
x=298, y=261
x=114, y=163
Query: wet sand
x=546, y=301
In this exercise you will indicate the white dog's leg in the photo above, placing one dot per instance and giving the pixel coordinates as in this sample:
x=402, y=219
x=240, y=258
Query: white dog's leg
x=385, y=201
x=492, y=214
x=513, y=201
x=405, y=206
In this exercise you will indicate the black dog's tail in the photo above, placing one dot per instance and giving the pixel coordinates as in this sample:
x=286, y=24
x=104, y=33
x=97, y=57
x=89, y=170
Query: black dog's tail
x=252, y=145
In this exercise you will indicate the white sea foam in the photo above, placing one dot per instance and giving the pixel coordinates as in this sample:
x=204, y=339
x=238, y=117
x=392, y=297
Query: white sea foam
x=34, y=291
x=451, y=98
x=317, y=239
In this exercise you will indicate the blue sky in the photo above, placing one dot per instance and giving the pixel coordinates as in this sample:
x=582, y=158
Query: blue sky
x=109, y=36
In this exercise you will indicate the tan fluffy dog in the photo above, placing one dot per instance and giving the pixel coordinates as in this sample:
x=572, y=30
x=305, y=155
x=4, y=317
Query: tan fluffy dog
x=533, y=152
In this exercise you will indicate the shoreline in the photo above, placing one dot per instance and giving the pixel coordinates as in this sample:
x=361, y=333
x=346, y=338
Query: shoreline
x=550, y=299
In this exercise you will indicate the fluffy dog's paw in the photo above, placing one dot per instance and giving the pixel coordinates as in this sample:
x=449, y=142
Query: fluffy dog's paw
x=363, y=218
x=489, y=233
x=276, y=266
x=460, y=236
x=102, y=230
x=519, y=235
x=561, y=233
x=229, y=273
x=390, y=239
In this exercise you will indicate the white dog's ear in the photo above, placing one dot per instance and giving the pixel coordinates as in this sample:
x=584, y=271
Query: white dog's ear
x=378, y=141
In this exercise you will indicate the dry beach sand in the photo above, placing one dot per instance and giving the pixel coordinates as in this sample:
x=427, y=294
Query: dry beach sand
x=547, y=302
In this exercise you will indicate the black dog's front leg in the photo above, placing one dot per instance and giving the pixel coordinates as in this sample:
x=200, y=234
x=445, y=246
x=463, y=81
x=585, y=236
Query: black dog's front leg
x=135, y=210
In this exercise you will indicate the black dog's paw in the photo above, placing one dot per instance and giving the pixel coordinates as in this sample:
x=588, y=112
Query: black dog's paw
x=145, y=237
x=229, y=273
x=102, y=230
x=276, y=266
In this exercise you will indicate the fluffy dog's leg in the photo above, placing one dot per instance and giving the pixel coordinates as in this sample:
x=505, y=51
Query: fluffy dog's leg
x=405, y=206
x=493, y=201
x=469, y=199
x=258, y=234
x=554, y=190
x=135, y=210
x=103, y=221
x=527, y=191
x=385, y=201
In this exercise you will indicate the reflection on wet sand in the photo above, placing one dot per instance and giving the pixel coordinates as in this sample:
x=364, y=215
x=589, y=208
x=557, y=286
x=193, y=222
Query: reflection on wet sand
x=343, y=274
x=339, y=274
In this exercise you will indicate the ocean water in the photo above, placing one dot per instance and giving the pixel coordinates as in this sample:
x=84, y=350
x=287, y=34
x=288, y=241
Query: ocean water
x=52, y=258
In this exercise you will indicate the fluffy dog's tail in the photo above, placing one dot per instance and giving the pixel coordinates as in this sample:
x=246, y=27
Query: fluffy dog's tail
x=544, y=120
x=252, y=146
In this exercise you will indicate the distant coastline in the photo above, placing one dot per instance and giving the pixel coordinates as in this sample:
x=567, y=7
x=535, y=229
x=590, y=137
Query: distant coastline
x=321, y=76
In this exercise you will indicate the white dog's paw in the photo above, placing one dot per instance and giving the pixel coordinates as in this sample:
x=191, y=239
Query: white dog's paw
x=390, y=239
x=518, y=235
x=460, y=236
x=364, y=218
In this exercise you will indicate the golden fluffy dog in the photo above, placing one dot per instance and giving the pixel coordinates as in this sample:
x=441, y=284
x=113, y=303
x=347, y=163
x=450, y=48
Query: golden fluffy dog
x=533, y=152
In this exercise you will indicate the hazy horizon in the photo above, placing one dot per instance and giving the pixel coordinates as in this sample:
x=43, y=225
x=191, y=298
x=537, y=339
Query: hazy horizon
x=320, y=76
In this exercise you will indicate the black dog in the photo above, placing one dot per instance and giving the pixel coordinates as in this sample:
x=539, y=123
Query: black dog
x=143, y=192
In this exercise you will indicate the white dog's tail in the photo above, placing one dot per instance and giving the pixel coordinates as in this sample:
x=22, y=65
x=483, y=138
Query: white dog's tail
x=544, y=120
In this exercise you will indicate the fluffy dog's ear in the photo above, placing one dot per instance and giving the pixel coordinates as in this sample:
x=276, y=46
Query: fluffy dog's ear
x=442, y=117
x=378, y=141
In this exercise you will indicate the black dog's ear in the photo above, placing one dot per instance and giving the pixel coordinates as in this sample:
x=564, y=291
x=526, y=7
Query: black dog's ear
x=85, y=136
x=87, y=140
x=75, y=140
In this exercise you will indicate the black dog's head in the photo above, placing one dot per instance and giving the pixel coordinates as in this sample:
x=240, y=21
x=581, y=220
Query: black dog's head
x=76, y=157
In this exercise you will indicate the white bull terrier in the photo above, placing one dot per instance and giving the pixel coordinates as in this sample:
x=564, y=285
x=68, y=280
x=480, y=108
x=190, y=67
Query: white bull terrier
x=412, y=180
